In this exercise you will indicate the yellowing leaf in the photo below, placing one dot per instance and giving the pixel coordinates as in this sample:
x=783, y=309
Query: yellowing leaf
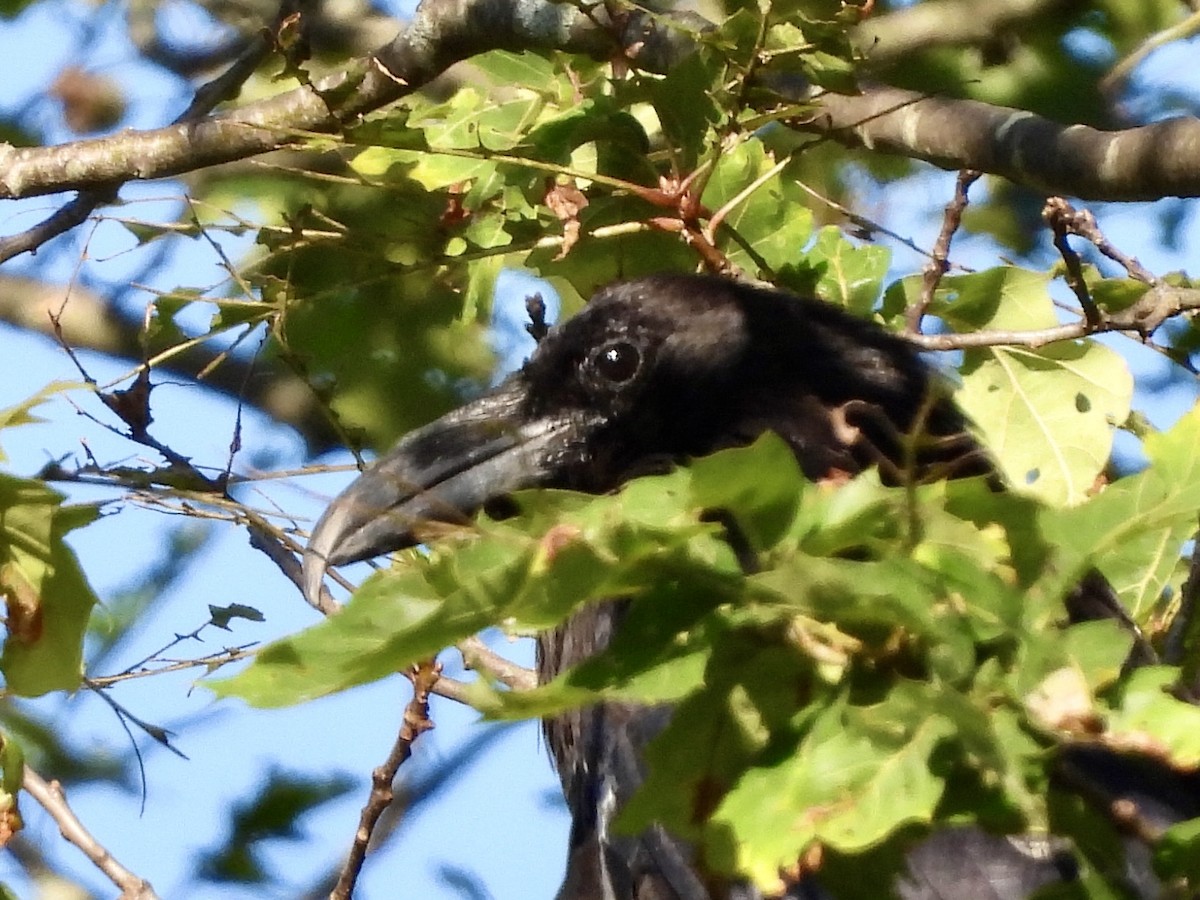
x=1048, y=415
x=47, y=596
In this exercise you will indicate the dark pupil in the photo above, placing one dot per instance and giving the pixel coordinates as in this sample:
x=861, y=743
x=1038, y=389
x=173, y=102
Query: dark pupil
x=618, y=362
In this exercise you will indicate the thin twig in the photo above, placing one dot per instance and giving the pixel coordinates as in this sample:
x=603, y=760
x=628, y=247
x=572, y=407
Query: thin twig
x=1121, y=71
x=939, y=260
x=210, y=662
x=416, y=721
x=51, y=798
x=478, y=656
x=1139, y=321
x=1083, y=224
x=1058, y=214
x=861, y=222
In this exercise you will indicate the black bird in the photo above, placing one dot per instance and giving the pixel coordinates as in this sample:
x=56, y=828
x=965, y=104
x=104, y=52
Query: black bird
x=654, y=372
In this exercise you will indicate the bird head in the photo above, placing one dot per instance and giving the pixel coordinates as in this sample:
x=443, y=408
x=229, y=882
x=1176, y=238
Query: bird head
x=652, y=372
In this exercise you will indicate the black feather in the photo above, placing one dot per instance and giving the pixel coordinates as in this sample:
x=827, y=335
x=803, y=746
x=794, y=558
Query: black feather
x=652, y=373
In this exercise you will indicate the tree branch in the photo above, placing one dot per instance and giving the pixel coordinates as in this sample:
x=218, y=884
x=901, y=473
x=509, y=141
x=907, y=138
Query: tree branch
x=1157, y=305
x=1134, y=164
x=441, y=33
x=50, y=797
x=895, y=36
x=1144, y=163
x=416, y=721
x=477, y=655
x=939, y=259
x=224, y=87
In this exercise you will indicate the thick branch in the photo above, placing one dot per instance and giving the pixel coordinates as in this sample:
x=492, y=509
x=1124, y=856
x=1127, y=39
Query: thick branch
x=893, y=37
x=1145, y=163
x=441, y=33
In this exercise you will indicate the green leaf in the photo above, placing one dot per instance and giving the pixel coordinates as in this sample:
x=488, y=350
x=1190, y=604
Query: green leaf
x=433, y=171
x=749, y=692
x=1147, y=719
x=350, y=648
x=1004, y=298
x=767, y=215
x=273, y=813
x=530, y=71
x=685, y=104
x=1135, y=530
x=221, y=616
x=849, y=276
x=48, y=597
x=231, y=313
x=860, y=774
x=1047, y=414
x=761, y=486
x=1178, y=852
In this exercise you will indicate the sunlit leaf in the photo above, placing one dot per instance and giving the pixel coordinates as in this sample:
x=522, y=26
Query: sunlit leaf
x=47, y=595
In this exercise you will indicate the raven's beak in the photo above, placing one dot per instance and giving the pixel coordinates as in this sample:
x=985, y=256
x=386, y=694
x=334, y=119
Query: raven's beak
x=440, y=473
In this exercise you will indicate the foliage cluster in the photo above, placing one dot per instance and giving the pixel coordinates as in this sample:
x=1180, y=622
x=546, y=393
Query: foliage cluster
x=900, y=658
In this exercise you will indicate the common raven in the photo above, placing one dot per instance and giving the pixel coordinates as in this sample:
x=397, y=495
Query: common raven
x=654, y=372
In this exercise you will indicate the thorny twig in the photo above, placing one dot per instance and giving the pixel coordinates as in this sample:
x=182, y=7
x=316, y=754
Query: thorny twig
x=415, y=722
x=51, y=798
x=939, y=259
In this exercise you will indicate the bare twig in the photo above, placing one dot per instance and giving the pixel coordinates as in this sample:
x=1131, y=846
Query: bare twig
x=416, y=721
x=939, y=260
x=1139, y=320
x=477, y=655
x=861, y=222
x=1083, y=224
x=89, y=322
x=70, y=215
x=1058, y=214
x=50, y=797
x=210, y=662
x=1121, y=71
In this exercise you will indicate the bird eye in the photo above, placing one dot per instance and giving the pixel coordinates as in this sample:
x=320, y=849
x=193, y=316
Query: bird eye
x=617, y=362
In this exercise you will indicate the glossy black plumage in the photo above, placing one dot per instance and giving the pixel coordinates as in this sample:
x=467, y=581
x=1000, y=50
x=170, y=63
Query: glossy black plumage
x=654, y=372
